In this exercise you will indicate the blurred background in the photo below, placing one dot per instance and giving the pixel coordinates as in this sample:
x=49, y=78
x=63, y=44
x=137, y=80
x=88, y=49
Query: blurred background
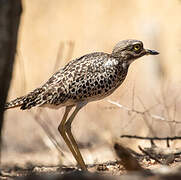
x=54, y=32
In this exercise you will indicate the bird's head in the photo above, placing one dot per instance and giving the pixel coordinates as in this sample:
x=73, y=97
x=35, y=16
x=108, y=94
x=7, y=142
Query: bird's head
x=130, y=50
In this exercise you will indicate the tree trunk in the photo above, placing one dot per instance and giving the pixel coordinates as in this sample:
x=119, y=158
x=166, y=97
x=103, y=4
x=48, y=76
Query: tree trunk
x=10, y=12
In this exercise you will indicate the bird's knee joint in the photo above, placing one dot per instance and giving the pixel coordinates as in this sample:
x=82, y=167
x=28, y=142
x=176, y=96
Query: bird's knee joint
x=68, y=126
x=61, y=128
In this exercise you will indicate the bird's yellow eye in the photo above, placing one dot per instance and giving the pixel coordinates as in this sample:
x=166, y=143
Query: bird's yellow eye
x=137, y=47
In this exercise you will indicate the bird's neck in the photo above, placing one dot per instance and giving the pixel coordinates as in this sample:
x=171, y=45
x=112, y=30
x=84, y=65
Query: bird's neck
x=124, y=59
x=124, y=63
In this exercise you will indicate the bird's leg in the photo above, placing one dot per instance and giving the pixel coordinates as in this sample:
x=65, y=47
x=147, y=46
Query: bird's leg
x=62, y=130
x=68, y=123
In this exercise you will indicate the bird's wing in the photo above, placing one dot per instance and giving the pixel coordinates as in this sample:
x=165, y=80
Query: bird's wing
x=67, y=82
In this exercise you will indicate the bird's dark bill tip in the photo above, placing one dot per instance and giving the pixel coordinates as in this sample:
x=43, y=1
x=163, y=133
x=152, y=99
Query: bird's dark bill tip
x=151, y=52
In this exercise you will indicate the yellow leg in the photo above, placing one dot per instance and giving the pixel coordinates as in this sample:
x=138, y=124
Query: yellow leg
x=62, y=131
x=65, y=131
x=69, y=133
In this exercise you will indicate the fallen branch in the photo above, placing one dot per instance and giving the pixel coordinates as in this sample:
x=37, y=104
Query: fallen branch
x=167, y=139
x=152, y=138
x=129, y=162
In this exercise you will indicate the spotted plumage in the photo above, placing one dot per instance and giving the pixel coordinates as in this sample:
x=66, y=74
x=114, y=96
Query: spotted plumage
x=90, y=77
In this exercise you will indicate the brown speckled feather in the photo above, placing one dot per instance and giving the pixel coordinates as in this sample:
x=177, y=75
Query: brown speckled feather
x=88, y=77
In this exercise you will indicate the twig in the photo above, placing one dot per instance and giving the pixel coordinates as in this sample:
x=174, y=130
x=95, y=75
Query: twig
x=71, y=45
x=137, y=111
x=146, y=120
x=47, y=131
x=154, y=116
x=152, y=138
x=150, y=155
x=59, y=55
x=133, y=96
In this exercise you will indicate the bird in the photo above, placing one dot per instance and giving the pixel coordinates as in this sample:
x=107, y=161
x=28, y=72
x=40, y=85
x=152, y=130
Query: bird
x=88, y=78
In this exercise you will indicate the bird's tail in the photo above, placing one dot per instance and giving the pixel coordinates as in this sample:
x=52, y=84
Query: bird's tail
x=26, y=102
x=14, y=103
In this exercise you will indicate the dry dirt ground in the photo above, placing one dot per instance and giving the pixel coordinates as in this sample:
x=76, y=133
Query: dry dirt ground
x=152, y=163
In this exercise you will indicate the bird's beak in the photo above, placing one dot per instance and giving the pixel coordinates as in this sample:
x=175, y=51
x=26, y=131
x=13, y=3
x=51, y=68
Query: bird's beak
x=151, y=52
